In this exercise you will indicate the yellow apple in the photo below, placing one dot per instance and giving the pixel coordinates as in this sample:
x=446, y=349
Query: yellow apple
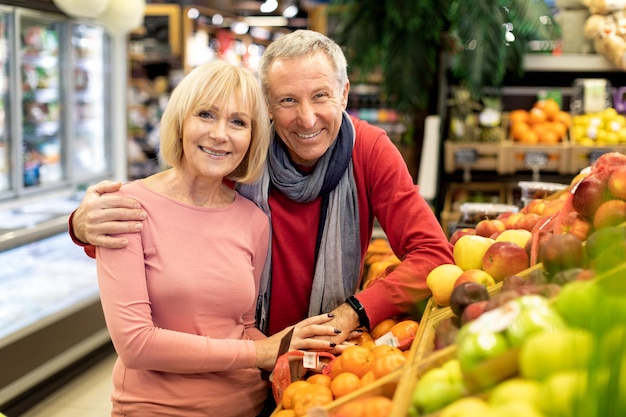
x=519, y=236
x=469, y=251
x=440, y=280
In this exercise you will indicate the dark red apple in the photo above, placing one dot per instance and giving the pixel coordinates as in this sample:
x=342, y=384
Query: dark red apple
x=561, y=252
x=588, y=195
x=473, y=311
x=465, y=294
x=461, y=232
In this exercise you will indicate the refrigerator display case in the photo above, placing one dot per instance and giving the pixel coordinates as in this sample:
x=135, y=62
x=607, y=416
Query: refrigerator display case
x=58, y=135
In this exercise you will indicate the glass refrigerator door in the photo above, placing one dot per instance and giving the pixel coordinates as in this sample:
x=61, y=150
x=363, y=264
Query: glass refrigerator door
x=88, y=107
x=5, y=167
x=41, y=96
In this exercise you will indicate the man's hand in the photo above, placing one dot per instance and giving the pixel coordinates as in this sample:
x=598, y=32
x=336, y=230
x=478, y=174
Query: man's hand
x=100, y=215
x=346, y=320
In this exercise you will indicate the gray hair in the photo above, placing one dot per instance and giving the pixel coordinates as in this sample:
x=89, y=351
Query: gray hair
x=302, y=43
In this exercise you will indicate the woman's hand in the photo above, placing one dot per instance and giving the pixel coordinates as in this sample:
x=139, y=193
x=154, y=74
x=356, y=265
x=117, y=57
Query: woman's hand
x=305, y=337
x=100, y=215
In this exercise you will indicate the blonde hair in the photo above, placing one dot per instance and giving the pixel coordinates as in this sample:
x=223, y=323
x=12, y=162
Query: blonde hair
x=298, y=44
x=215, y=83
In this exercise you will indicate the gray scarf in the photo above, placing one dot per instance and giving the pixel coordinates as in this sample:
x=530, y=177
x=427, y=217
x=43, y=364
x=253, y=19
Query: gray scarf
x=338, y=238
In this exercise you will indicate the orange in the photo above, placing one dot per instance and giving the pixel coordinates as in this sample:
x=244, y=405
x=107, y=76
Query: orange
x=376, y=406
x=559, y=128
x=518, y=115
x=382, y=328
x=383, y=350
x=549, y=137
x=345, y=383
x=405, y=329
x=319, y=379
x=288, y=393
x=564, y=117
x=363, y=339
x=518, y=129
x=310, y=396
x=549, y=106
x=529, y=137
x=536, y=115
x=367, y=379
x=387, y=364
x=356, y=359
x=335, y=367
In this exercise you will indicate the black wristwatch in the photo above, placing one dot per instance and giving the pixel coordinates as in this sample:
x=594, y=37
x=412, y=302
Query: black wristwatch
x=353, y=302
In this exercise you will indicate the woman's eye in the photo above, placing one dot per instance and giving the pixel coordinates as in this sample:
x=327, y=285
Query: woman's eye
x=205, y=114
x=239, y=122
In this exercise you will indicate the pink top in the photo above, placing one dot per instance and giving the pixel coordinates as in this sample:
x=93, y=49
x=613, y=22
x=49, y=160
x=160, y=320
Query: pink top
x=179, y=303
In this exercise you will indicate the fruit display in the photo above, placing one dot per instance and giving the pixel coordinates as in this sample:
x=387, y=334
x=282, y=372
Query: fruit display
x=544, y=123
x=606, y=127
x=372, y=361
x=379, y=261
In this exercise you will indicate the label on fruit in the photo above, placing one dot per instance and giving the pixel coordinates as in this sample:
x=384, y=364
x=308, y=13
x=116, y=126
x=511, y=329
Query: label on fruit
x=465, y=156
x=536, y=159
x=310, y=360
x=387, y=339
x=496, y=320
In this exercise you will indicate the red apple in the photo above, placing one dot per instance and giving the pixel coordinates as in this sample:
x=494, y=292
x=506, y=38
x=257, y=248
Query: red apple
x=528, y=221
x=461, y=232
x=553, y=207
x=536, y=206
x=505, y=258
x=588, y=194
x=473, y=311
x=504, y=215
x=617, y=183
x=610, y=213
x=475, y=275
x=487, y=227
x=561, y=252
x=574, y=224
x=510, y=221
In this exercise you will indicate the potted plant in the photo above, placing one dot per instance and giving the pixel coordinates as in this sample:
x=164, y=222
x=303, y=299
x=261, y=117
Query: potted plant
x=406, y=42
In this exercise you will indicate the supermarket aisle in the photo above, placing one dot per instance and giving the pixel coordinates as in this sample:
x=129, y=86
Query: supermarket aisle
x=85, y=396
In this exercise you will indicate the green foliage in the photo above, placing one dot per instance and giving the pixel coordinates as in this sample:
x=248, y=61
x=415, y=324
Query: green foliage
x=404, y=39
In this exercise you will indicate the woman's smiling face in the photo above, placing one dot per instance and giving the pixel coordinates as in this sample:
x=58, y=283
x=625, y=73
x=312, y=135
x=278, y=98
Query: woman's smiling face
x=215, y=139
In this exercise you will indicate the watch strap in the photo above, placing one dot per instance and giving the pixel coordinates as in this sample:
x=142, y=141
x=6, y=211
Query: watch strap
x=356, y=305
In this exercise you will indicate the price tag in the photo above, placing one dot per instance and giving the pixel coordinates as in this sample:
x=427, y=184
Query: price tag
x=594, y=155
x=536, y=159
x=466, y=156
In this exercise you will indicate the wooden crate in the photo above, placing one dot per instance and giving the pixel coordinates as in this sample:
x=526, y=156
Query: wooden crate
x=557, y=157
x=584, y=156
x=488, y=156
x=458, y=193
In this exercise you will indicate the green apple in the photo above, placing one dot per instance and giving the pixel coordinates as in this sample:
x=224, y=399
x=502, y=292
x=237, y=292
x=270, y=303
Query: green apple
x=576, y=303
x=465, y=407
x=543, y=354
x=515, y=390
x=475, y=347
x=438, y=387
x=563, y=394
x=518, y=409
x=533, y=320
x=428, y=398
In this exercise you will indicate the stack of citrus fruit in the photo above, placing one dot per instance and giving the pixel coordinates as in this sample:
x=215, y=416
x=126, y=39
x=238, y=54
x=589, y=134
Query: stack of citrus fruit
x=358, y=366
x=545, y=123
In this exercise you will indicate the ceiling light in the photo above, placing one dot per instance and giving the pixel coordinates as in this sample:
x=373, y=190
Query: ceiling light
x=265, y=20
x=290, y=11
x=269, y=6
x=240, y=28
